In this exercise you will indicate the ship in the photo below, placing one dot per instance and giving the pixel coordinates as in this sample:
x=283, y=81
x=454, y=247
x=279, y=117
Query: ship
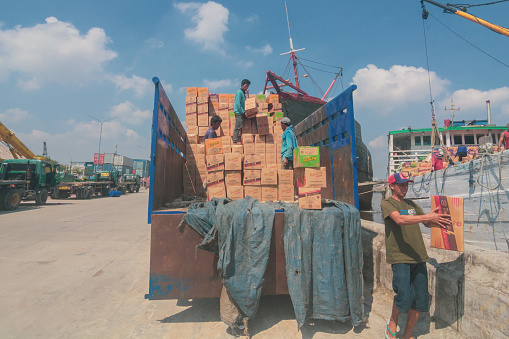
x=480, y=178
x=297, y=104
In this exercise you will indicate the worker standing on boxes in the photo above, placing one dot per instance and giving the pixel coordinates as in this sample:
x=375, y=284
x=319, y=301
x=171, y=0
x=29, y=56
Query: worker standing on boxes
x=215, y=123
x=239, y=108
x=407, y=254
x=289, y=143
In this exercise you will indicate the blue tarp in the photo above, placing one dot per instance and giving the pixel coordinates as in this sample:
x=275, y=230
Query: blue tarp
x=322, y=247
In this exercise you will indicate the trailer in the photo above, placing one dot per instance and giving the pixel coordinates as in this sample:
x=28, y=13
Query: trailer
x=177, y=269
x=25, y=179
x=102, y=183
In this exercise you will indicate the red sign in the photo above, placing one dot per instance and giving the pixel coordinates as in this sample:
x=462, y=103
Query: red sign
x=101, y=158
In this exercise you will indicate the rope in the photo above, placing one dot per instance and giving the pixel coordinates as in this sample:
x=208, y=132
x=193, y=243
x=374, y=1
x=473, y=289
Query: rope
x=484, y=157
x=460, y=6
x=427, y=63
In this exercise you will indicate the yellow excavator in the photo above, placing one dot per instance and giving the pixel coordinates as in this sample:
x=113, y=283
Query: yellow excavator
x=14, y=145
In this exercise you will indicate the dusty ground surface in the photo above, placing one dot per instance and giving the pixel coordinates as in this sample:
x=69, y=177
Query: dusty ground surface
x=79, y=269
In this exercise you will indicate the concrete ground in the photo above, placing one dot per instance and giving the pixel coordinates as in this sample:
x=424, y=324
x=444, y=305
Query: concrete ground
x=79, y=269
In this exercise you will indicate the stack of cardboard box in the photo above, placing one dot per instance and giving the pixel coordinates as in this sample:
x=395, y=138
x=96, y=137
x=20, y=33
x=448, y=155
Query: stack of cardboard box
x=250, y=167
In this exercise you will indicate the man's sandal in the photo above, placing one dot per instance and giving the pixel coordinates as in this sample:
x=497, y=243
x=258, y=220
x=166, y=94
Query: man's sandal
x=388, y=330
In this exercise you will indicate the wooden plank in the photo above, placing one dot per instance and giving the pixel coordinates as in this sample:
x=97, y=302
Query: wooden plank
x=343, y=176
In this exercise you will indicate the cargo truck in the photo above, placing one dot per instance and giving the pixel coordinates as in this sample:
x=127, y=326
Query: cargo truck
x=177, y=269
x=101, y=183
x=25, y=179
x=131, y=182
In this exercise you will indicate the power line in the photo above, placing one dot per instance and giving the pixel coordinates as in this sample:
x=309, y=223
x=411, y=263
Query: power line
x=469, y=42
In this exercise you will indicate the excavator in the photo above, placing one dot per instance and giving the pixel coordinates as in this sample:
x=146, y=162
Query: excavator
x=14, y=145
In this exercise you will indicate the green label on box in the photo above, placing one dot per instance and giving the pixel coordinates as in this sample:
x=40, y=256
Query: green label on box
x=231, y=115
x=278, y=116
x=261, y=97
x=306, y=157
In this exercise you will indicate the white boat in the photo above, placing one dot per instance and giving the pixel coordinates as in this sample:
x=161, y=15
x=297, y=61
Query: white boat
x=482, y=182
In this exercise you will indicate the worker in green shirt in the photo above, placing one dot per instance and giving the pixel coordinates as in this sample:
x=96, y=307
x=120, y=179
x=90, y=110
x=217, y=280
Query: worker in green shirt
x=406, y=253
x=239, y=108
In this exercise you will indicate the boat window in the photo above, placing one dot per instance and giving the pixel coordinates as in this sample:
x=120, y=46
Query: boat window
x=417, y=141
x=458, y=140
x=426, y=140
x=469, y=139
x=478, y=137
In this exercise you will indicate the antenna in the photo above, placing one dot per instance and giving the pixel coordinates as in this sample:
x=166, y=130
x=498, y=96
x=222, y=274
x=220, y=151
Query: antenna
x=452, y=109
x=292, y=51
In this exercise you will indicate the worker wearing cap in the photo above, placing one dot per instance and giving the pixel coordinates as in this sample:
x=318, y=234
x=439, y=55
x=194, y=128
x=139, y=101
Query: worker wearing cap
x=406, y=253
x=288, y=144
x=504, y=137
x=239, y=108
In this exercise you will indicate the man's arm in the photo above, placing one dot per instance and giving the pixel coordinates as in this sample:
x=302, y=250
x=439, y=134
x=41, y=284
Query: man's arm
x=432, y=219
x=500, y=141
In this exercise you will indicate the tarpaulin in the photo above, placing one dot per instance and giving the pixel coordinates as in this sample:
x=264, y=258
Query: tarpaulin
x=324, y=262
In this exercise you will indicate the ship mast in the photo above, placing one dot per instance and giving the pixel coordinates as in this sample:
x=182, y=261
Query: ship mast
x=292, y=51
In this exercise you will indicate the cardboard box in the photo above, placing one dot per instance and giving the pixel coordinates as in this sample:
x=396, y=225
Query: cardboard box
x=233, y=178
x=252, y=177
x=452, y=237
x=213, y=97
x=259, y=139
x=203, y=119
x=227, y=140
x=254, y=192
x=269, y=176
x=310, y=177
x=285, y=177
x=247, y=127
x=215, y=178
x=278, y=116
x=236, y=148
x=249, y=149
x=203, y=91
x=262, y=121
x=201, y=132
x=233, y=162
x=310, y=198
x=203, y=109
x=247, y=139
x=269, y=193
x=306, y=157
x=192, y=138
x=261, y=98
x=263, y=106
x=252, y=161
x=286, y=193
x=251, y=107
x=259, y=148
x=191, y=119
x=192, y=91
x=214, y=146
x=273, y=98
x=201, y=169
x=192, y=129
x=215, y=162
x=218, y=191
x=271, y=148
x=191, y=108
x=223, y=98
x=269, y=139
x=270, y=159
x=235, y=192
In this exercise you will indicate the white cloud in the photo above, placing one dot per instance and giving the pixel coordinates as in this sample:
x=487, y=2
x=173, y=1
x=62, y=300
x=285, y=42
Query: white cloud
x=252, y=19
x=211, y=21
x=132, y=134
x=130, y=114
x=472, y=103
x=245, y=64
x=141, y=86
x=154, y=43
x=387, y=90
x=13, y=115
x=213, y=85
x=379, y=143
x=53, y=52
x=265, y=50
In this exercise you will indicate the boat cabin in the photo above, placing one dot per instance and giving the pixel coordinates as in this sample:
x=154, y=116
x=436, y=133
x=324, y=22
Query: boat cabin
x=414, y=145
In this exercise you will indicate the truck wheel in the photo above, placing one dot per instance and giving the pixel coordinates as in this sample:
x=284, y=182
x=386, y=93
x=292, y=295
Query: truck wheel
x=2, y=194
x=131, y=189
x=55, y=194
x=137, y=189
x=41, y=197
x=79, y=193
x=12, y=199
x=90, y=192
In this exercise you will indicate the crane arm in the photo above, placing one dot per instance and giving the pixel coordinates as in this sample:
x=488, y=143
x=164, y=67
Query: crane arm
x=473, y=18
x=16, y=147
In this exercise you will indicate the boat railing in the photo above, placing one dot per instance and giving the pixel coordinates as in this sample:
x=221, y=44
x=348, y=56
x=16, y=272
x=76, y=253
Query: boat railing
x=396, y=158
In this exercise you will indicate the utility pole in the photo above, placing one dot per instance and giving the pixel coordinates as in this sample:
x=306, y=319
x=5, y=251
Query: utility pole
x=100, y=136
x=452, y=109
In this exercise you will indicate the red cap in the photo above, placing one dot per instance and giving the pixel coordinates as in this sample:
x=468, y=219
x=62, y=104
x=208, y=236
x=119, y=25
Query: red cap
x=398, y=178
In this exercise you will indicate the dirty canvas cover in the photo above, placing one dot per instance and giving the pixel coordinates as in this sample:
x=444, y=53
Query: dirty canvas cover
x=450, y=238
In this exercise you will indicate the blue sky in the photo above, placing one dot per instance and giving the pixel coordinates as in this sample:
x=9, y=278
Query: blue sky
x=61, y=61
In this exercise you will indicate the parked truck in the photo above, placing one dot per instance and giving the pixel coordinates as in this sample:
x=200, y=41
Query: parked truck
x=25, y=179
x=101, y=183
x=131, y=182
x=177, y=270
